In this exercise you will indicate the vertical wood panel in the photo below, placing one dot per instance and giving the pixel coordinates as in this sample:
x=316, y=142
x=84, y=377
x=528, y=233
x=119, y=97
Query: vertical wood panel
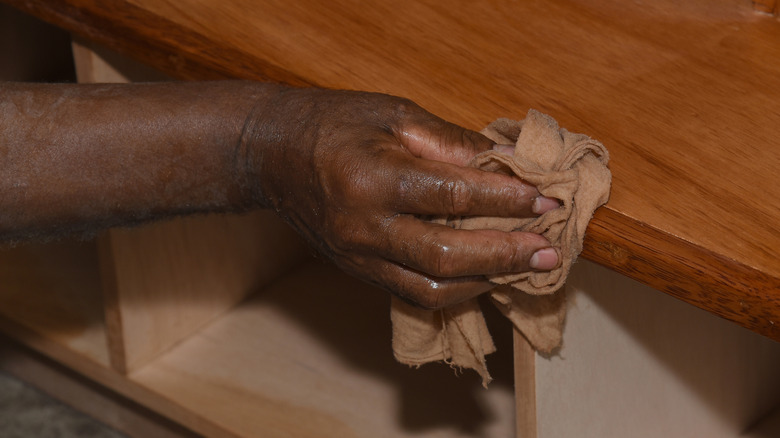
x=165, y=281
x=525, y=387
x=638, y=363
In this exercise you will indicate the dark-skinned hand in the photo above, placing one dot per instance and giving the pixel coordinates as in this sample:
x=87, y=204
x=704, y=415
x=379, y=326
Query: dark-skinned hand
x=358, y=173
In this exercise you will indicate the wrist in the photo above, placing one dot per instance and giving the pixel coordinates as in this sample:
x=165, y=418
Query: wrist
x=274, y=128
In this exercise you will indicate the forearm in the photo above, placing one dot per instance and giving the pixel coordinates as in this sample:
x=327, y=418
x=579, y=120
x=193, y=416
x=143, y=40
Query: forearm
x=75, y=158
x=356, y=173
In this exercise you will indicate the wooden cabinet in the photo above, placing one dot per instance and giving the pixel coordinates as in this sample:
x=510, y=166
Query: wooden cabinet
x=229, y=327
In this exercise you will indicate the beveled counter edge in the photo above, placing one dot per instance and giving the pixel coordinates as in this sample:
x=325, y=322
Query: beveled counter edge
x=691, y=273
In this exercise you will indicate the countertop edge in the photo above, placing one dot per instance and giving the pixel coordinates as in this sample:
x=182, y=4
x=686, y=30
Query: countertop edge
x=696, y=275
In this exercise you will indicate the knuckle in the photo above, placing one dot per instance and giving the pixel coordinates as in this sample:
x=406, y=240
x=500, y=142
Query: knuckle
x=345, y=236
x=458, y=196
x=343, y=178
x=508, y=254
x=441, y=260
x=475, y=140
x=352, y=183
x=405, y=107
x=405, y=187
x=511, y=254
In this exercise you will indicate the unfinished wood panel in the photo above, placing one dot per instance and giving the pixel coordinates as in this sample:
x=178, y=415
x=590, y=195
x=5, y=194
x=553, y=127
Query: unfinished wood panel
x=98, y=64
x=664, y=86
x=84, y=395
x=525, y=387
x=164, y=281
x=638, y=363
x=311, y=357
x=106, y=377
x=170, y=279
x=52, y=291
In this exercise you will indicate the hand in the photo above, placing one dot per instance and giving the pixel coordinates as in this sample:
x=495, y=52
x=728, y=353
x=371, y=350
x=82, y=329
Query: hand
x=357, y=173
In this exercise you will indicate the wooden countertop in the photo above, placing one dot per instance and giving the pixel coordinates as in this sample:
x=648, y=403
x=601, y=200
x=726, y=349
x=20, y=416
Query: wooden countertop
x=685, y=96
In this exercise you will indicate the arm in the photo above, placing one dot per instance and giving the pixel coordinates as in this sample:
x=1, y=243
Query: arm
x=353, y=172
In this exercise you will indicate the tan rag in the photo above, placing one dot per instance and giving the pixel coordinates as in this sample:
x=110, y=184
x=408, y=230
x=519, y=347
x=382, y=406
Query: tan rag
x=562, y=165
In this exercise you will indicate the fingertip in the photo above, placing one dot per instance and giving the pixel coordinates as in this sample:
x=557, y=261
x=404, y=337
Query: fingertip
x=543, y=204
x=506, y=149
x=545, y=259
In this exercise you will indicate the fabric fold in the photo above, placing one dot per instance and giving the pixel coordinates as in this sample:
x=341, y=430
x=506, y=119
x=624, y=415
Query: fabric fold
x=562, y=165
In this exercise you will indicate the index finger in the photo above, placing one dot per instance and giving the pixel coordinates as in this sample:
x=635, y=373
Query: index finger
x=426, y=187
x=442, y=251
x=432, y=138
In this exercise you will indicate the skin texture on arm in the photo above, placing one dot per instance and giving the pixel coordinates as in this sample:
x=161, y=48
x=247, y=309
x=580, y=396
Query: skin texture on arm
x=82, y=157
x=355, y=173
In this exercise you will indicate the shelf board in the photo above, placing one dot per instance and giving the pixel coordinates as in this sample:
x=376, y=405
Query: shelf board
x=310, y=356
x=50, y=294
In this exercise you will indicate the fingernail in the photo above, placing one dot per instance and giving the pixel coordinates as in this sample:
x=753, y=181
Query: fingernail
x=544, y=259
x=543, y=204
x=506, y=149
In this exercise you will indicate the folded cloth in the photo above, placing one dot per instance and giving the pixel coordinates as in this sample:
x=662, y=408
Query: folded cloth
x=562, y=165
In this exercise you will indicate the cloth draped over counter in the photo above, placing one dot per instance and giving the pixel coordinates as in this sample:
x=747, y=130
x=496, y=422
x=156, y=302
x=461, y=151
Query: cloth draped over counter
x=562, y=165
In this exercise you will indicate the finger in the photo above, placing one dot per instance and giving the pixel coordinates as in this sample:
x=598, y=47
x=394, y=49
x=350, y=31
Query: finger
x=427, y=291
x=541, y=204
x=432, y=188
x=427, y=136
x=506, y=149
x=441, y=251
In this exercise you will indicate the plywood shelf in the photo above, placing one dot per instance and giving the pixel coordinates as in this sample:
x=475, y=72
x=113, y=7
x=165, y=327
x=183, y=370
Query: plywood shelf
x=310, y=357
x=51, y=293
x=307, y=356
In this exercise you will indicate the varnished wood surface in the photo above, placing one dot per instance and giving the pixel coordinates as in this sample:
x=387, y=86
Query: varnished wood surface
x=683, y=95
x=767, y=6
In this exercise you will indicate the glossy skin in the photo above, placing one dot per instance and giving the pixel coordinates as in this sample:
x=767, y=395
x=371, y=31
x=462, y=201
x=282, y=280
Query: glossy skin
x=355, y=173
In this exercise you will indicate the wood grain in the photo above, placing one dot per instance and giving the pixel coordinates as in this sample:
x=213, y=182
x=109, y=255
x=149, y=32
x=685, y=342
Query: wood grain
x=171, y=279
x=307, y=357
x=725, y=287
x=525, y=387
x=767, y=6
x=310, y=357
x=682, y=93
